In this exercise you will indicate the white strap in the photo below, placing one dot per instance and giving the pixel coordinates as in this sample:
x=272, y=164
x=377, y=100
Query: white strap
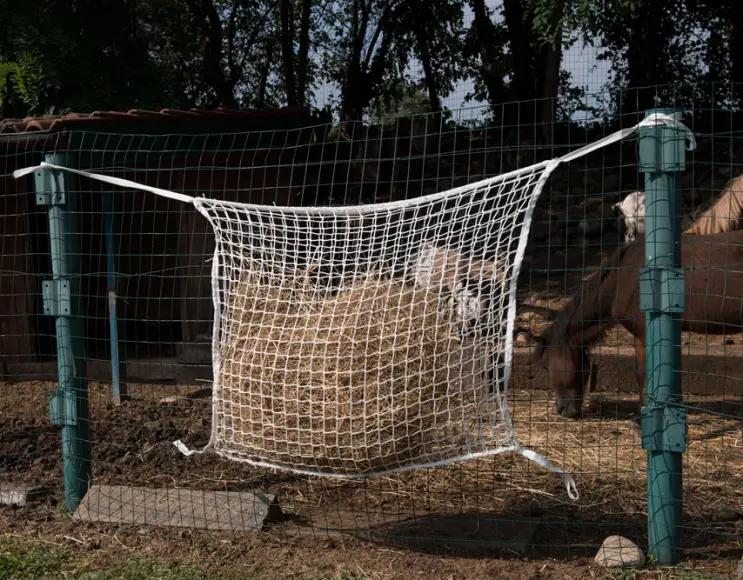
x=673, y=120
x=180, y=446
x=542, y=461
x=107, y=179
x=651, y=121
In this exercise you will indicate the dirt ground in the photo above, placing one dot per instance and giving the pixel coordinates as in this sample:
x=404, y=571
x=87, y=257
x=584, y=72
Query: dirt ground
x=454, y=522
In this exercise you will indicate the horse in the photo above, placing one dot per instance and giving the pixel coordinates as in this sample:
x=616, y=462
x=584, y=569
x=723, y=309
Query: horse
x=632, y=209
x=725, y=215
x=713, y=305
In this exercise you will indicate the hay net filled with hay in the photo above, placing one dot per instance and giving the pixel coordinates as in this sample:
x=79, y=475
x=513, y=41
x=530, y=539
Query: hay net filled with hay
x=357, y=341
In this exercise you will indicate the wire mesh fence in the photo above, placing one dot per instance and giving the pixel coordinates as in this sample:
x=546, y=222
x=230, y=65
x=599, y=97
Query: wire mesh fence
x=152, y=258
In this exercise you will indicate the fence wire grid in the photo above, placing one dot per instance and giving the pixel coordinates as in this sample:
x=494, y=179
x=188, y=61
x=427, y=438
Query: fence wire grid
x=162, y=251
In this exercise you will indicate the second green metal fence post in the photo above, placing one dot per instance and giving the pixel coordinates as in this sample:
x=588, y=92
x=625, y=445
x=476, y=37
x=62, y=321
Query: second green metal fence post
x=662, y=156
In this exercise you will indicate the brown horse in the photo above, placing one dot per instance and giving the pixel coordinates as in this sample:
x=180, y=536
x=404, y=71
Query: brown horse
x=713, y=295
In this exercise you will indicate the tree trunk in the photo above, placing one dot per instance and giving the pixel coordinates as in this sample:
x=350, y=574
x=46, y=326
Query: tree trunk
x=352, y=100
x=421, y=39
x=645, y=55
x=523, y=49
x=736, y=52
x=551, y=59
x=260, y=101
x=287, y=50
x=304, y=49
x=211, y=26
x=490, y=68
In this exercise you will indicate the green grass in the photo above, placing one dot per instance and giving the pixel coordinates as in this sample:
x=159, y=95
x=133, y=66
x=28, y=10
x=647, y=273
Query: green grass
x=26, y=559
x=640, y=574
x=22, y=560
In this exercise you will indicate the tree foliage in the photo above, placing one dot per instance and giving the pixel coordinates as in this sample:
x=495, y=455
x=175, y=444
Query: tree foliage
x=82, y=55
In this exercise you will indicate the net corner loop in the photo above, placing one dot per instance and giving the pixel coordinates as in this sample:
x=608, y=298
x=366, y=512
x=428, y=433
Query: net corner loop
x=567, y=478
x=180, y=446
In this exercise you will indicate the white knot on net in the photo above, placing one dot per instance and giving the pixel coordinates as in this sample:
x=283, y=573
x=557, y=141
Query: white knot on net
x=353, y=341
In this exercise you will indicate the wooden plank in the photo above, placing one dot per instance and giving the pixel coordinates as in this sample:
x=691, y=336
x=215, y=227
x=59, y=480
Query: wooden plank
x=185, y=508
x=18, y=279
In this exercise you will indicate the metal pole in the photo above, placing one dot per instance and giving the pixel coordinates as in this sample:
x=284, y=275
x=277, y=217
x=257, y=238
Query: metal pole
x=68, y=406
x=662, y=156
x=119, y=387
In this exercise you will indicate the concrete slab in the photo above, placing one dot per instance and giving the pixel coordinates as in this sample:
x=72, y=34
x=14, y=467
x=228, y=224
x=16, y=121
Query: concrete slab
x=209, y=510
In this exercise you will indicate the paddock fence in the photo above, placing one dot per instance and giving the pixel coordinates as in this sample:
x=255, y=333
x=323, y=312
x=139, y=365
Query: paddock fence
x=140, y=324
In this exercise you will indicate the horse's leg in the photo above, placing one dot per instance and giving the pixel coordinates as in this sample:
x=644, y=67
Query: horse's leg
x=640, y=373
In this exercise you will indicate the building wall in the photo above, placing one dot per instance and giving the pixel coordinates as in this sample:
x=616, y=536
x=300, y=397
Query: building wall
x=18, y=297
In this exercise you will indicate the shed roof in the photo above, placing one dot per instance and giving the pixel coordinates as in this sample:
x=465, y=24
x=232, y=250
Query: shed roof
x=137, y=117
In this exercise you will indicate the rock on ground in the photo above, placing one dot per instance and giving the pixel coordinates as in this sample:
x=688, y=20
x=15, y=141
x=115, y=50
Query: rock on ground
x=618, y=551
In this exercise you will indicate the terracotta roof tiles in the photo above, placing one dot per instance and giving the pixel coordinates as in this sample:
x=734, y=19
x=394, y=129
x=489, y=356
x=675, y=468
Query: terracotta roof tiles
x=54, y=123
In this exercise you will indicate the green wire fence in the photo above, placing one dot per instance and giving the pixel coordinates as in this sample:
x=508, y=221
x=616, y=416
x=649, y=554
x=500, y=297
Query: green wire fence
x=106, y=314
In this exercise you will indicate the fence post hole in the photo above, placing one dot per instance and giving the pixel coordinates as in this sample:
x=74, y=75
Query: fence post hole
x=662, y=158
x=118, y=357
x=68, y=406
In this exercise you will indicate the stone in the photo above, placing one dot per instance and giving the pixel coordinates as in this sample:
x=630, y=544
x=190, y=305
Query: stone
x=20, y=496
x=617, y=551
x=209, y=510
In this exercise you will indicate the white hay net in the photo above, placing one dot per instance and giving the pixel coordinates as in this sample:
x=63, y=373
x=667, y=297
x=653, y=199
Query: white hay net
x=357, y=341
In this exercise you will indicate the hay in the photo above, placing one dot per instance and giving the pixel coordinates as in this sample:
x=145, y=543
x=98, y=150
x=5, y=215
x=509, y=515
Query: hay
x=368, y=379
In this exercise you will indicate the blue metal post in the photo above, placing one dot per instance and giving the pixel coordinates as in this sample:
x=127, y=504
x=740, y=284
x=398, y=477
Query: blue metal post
x=662, y=158
x=117, y=364
x=69, y=405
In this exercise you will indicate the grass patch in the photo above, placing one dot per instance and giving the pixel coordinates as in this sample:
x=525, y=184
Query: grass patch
x=21, y=560
x=27, y=559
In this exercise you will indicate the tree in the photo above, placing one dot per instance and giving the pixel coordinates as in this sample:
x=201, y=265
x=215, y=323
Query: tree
x=527, y=48
x=433, y=32
x=365, y=60
x=79, y=55
x=295, y=52
x=218, y=47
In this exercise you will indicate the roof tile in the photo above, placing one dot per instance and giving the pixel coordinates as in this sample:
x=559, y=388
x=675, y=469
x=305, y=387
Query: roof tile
x=58, y=122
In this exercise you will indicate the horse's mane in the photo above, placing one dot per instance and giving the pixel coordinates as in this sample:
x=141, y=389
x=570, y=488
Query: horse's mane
x=725, y=215
x=557, y=334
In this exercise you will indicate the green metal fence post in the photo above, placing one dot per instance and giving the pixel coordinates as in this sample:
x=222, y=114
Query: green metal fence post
x=69, y=405
x=662, y=157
